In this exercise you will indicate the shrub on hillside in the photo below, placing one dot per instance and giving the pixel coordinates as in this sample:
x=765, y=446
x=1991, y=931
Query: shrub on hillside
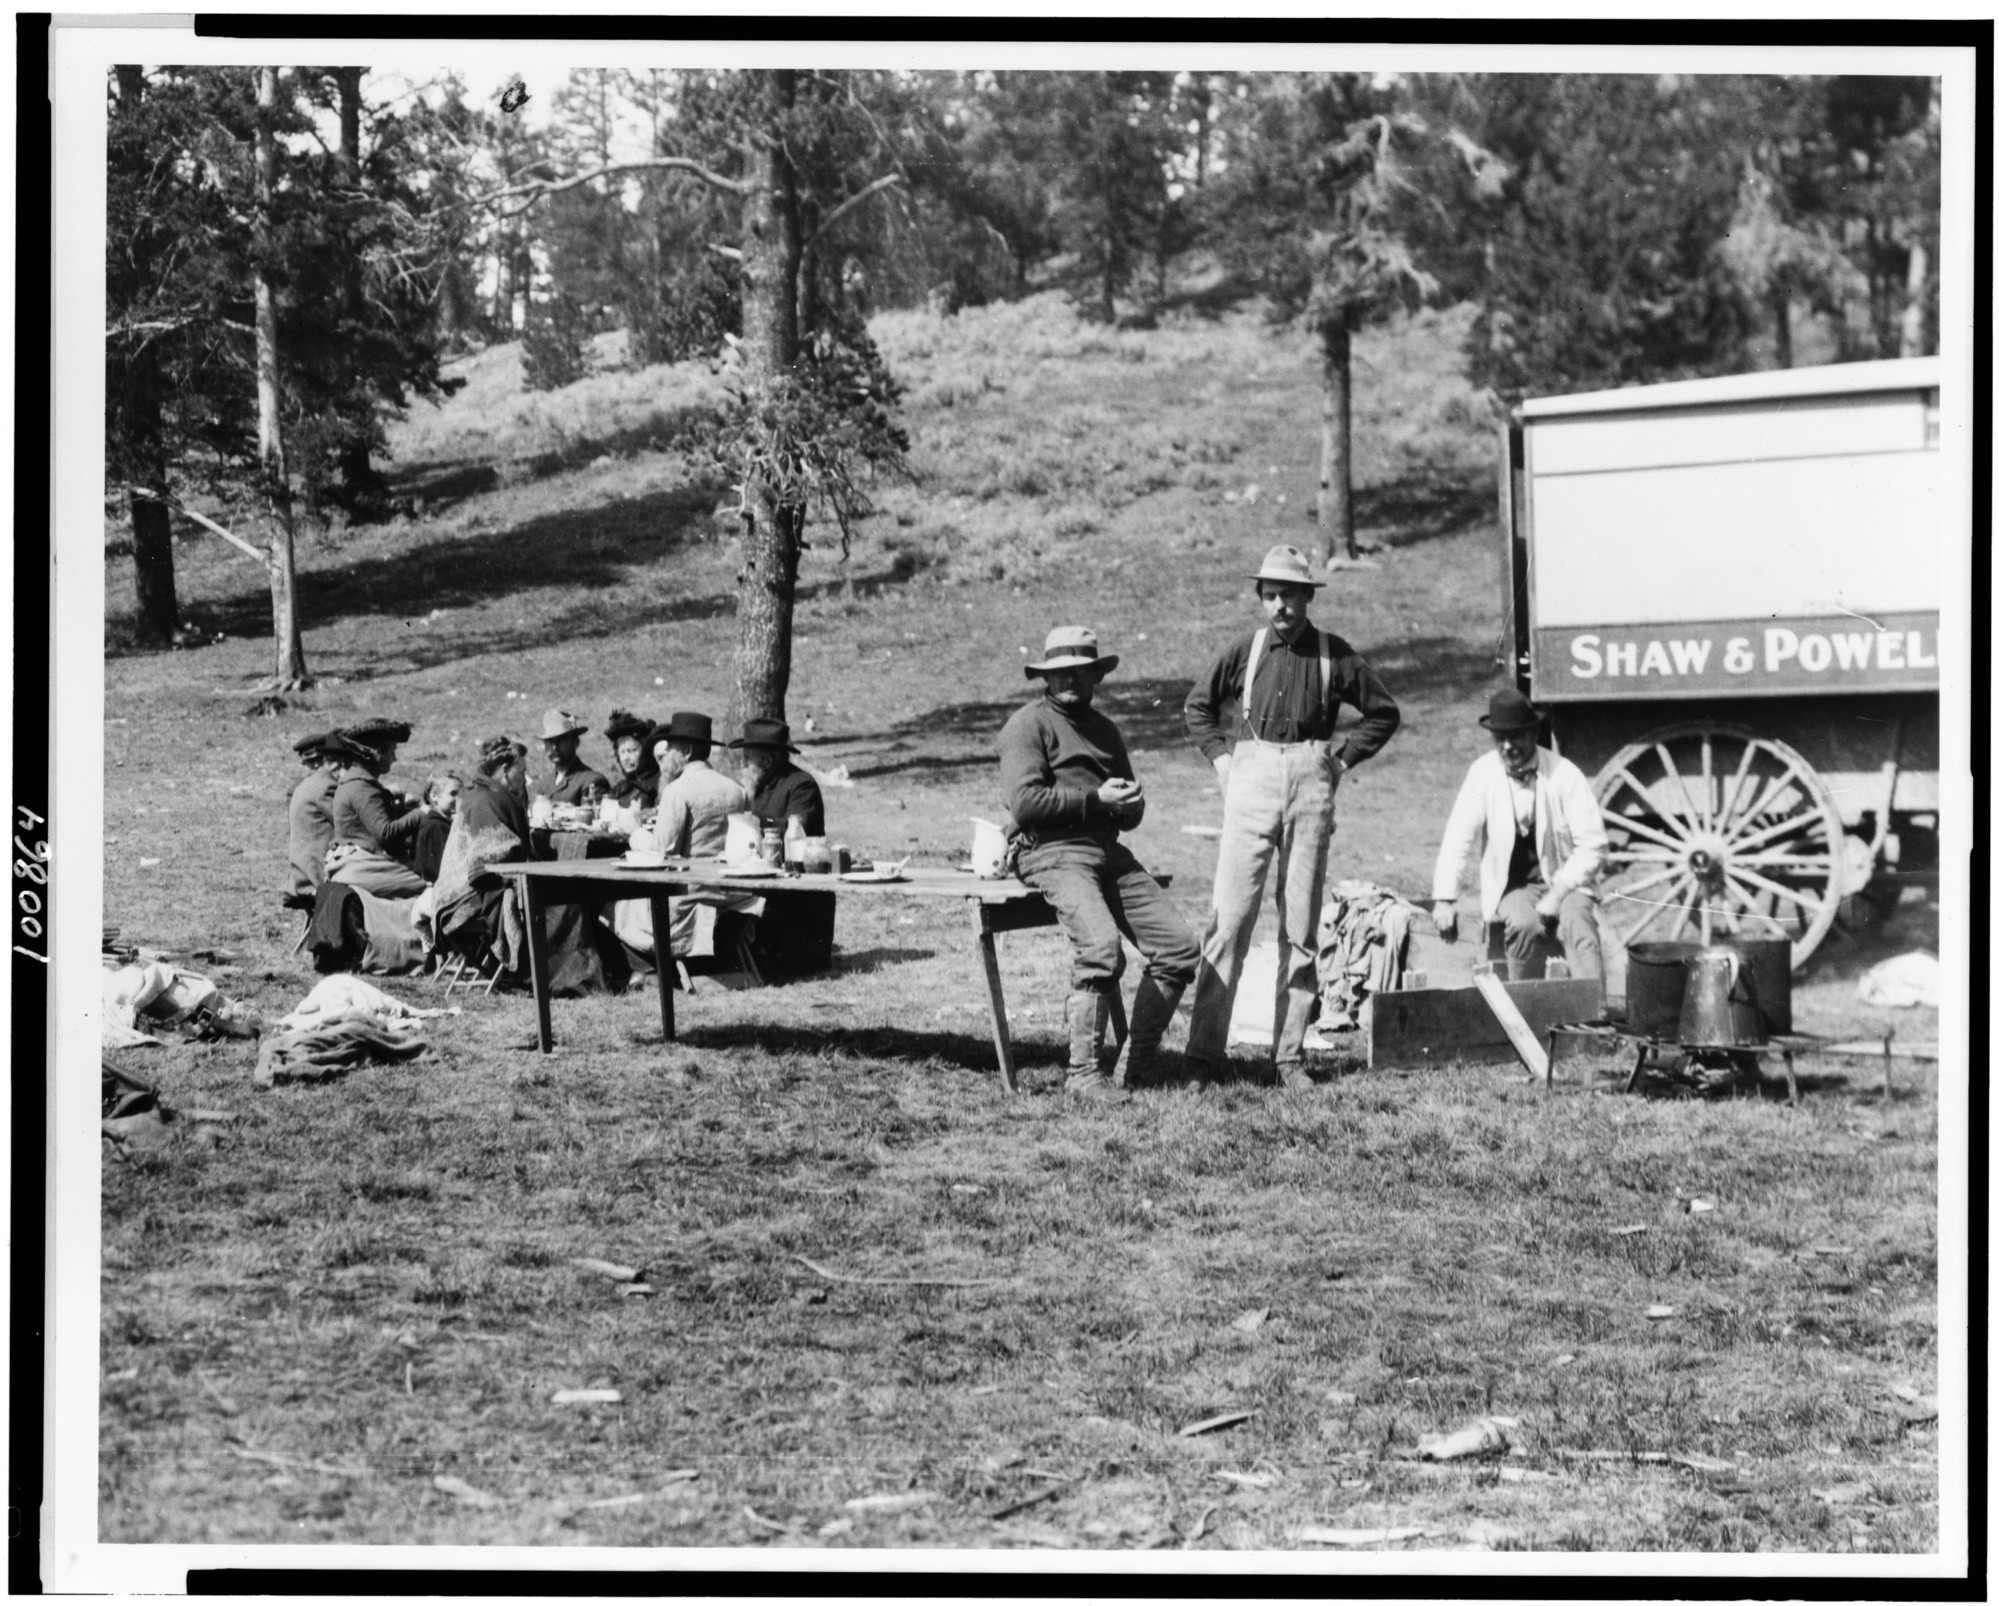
x=555, y=347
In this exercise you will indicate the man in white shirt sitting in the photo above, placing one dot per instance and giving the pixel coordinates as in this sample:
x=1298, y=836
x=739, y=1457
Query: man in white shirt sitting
x=1530, y=817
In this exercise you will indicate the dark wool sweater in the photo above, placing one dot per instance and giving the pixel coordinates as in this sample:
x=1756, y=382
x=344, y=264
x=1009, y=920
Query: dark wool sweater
x=1052, y=760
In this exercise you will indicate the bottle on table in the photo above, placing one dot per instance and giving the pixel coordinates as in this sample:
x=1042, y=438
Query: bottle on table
x=794, y=843
x=772, y=849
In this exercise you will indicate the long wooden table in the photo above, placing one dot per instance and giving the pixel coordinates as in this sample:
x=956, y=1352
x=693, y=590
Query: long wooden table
x=993, y=907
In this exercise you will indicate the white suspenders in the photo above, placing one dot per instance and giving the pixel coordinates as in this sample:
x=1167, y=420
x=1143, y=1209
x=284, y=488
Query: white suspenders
x=1256, y=655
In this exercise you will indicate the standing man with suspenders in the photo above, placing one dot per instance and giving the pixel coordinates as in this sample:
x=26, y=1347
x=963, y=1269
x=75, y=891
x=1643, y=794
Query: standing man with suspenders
x=1288, y=681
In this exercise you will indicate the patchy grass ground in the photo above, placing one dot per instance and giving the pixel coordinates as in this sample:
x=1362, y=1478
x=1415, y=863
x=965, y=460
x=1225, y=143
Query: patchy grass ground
x=312, y=1314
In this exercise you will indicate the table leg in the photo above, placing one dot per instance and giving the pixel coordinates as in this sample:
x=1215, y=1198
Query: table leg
x=1637, y=1070
x=662, y=957
x=995, y=997
x=1556, y=1037
x=534, y=903
x=1791, y=1078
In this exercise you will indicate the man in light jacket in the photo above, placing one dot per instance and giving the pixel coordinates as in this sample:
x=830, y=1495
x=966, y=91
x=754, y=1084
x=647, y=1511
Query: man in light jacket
x=1530, y=817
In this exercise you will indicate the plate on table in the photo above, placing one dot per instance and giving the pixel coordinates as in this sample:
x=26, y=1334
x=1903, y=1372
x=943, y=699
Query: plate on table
x=892, y=873
x=756, y=868
x=641, y=862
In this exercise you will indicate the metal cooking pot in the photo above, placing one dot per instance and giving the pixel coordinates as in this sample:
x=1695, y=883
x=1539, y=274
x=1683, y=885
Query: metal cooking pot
x=1769, y=962
x=1720, y=1008
x=1655, y=986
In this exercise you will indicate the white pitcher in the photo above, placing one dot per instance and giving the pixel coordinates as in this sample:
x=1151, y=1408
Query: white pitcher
x=988, y=847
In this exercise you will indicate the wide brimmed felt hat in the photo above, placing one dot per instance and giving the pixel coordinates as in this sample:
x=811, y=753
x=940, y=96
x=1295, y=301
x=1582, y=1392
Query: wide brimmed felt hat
x=623, y=723
x=377, y=732
x=556, y=722
x=685, y=727
x=1072, y=647
x=770, y=733
x=1288, y=566
x=1511, y=710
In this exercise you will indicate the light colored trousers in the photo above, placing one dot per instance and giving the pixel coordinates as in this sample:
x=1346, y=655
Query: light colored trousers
x=1279, y=808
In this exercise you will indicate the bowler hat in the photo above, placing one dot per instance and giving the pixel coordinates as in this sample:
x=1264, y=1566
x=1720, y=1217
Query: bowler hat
x=697, y=729
x=556, y=723
x=1510, y=710
x=1072, y=647
x=1288, y=566
x=773, y=733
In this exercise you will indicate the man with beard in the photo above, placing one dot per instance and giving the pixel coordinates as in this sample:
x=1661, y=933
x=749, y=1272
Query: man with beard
x=1071, y=790
x=1533, y=823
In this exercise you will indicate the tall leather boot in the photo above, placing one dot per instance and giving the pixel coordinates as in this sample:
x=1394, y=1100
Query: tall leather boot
x=1088, y=1014
x=1151, y=1013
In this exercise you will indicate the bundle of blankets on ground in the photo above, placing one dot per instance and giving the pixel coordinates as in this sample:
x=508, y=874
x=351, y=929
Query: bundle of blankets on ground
x=164, y=995
x=1363, y=942
x=343, y=1022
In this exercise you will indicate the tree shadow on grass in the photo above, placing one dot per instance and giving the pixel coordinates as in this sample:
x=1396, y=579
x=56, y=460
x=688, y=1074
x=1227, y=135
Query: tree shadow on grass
x=588, y=550
x=1423, y=506
x=1147, y=713
x=1448, y=668
x=960, y=1050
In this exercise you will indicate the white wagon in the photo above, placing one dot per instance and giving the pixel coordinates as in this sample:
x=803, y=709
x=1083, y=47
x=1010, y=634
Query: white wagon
x=1727, y=592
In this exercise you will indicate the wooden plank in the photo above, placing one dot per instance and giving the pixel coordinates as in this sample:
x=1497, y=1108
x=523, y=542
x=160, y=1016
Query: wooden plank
x=1533, y=1055
x=1436, y=1025
x=1021, y=914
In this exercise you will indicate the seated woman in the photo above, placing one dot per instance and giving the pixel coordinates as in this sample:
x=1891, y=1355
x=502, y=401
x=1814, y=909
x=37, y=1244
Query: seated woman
x=478, y=912
x=637, y=780
x=374, y=834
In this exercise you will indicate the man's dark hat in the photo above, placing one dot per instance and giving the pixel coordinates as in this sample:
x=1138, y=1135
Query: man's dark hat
x=1510, y=710
x=338, y=744
x=771, y=733
x=685, y=727
x=623, y=723
x=310, y=746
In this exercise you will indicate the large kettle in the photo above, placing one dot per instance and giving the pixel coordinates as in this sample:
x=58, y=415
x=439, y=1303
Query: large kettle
x=1720, y=1007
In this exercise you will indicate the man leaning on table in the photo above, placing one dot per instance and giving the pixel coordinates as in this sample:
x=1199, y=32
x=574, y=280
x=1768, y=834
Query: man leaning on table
x=1533, y=823
x=1279, y=774
x=695, y=802
x=1070, y=787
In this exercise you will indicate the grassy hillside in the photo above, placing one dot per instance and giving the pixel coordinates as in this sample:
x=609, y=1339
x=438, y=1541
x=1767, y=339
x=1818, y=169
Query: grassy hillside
x=359, y=1288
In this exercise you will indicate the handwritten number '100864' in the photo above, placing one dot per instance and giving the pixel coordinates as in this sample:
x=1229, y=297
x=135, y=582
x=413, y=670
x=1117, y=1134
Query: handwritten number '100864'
x=31, y=878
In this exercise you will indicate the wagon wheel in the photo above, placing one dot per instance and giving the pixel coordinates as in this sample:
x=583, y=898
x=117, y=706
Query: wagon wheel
x=1715, y=831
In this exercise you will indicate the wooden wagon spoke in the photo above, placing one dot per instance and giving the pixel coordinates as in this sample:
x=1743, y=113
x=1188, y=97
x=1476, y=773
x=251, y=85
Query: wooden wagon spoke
x=1645, y=792
x=1678, y=844
x=1732, y=794
x=1637, y=887
x=1658, y=907
x=1697, y=812
x=1738, y=845
x=1764, y=798
x=1793, y=894
x=1814, y=865
x=1707, y=779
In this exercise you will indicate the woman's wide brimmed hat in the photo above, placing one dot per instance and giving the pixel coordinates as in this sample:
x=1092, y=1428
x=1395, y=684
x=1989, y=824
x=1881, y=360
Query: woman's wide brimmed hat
x=623, y=723
x=1288, y=566
x=378, y=732
x=556, y=723
x=1510, y=710
x=1072, y=647
x=311, y=746
x=498, y=747
x=773, y=734
x=340, y=745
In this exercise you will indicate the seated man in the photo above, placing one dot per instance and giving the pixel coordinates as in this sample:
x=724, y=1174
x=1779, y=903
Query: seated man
x=695, y=802
x=1070, y=787
x=1542, y=839
x=779, y=789
x=560, y=733
x=311, y=819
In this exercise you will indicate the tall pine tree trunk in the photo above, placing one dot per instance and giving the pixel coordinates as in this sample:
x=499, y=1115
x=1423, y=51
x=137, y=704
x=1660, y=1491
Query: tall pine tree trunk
x=768, y=582
x=290, y=668
x=1780, y=324
x=1336, y=532
x=366, y=491
x=1913, y=344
